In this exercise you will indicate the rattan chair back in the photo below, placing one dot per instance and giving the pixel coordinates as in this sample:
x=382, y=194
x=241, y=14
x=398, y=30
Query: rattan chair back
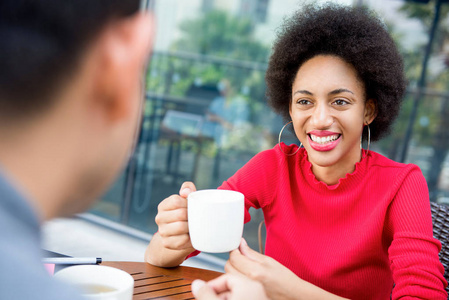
x=440, y=219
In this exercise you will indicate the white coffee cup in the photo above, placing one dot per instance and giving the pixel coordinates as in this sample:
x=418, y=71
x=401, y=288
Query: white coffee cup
x=215, y=220
x=98, y=282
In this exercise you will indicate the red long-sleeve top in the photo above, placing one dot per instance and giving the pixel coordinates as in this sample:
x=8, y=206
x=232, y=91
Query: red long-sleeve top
x=358, y=238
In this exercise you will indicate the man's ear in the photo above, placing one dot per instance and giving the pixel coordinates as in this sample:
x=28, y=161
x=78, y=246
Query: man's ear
x=370, y=111
x=122, y=51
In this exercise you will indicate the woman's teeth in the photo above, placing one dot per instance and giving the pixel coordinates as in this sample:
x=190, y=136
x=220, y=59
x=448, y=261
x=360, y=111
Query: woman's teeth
x=324, y=139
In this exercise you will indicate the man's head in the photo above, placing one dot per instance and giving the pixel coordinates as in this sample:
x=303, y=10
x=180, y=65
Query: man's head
x=70, y=95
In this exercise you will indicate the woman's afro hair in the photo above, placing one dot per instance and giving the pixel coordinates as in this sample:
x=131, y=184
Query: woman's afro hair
x=352, y=33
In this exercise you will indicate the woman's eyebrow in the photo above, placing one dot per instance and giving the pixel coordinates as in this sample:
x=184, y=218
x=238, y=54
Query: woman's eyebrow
x=303, y=92
x=334, y=92
x=338, y=91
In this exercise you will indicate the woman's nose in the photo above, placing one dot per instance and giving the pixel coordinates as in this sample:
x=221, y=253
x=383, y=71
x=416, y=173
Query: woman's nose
x=322, y=117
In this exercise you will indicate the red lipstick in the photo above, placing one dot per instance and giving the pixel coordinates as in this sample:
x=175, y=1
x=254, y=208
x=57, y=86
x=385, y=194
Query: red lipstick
x=323, y=140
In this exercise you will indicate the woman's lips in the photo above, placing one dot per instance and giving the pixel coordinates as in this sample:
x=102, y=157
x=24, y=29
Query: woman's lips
x=320, y=142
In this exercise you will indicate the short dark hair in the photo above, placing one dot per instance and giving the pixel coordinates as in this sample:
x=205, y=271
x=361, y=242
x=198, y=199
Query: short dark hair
x=352, y=33
x=41, y=42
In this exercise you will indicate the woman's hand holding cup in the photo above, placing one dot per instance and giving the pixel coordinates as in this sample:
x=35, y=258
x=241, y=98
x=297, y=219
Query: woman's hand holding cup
x=172, y=219
x=216, y=225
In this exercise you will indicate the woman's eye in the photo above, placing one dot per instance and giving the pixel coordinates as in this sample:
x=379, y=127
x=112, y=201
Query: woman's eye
x=340, y=102
x=303, y=102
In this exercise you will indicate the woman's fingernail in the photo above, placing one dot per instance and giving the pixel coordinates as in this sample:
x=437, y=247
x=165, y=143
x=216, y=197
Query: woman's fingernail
x=196, y=285
x=185, y=191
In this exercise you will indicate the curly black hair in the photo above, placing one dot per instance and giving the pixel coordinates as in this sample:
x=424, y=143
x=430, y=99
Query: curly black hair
x=352, y=33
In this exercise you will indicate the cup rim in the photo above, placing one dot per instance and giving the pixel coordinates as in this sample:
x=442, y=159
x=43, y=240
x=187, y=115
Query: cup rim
x=124, y=276
x=192, y=194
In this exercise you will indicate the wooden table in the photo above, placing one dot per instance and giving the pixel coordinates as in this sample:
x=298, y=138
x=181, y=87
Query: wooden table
x=152, y=282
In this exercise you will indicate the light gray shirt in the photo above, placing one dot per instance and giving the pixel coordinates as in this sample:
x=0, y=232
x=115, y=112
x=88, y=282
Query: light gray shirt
x=22, y=274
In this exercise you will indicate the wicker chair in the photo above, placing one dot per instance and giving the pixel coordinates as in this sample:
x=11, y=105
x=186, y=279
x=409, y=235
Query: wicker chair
x=440, y=219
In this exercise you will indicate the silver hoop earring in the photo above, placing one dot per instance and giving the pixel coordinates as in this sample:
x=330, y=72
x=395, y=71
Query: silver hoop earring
x=369, y=141
x=279, y=141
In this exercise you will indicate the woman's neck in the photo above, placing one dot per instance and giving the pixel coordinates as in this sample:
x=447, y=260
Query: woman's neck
x=330, y=175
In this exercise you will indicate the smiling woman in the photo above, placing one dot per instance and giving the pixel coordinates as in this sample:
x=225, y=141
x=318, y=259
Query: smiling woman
x=341, y=221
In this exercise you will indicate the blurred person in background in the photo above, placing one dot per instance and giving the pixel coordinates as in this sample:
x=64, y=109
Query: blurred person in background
x=226, y=113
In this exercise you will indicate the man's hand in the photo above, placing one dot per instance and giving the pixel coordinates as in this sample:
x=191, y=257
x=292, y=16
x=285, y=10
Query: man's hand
x=228, y=286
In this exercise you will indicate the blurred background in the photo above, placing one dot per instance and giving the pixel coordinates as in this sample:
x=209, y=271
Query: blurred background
x=205, y=112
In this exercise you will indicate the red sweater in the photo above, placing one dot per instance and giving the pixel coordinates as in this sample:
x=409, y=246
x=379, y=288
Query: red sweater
x=354, y=239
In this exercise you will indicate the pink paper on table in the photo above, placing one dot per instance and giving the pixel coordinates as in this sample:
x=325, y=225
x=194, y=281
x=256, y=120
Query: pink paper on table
x=50, y=268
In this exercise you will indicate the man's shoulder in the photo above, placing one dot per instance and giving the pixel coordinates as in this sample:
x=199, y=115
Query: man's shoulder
x=23, y=276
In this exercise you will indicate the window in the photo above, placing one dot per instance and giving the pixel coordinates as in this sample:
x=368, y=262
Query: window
x=206, y=116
